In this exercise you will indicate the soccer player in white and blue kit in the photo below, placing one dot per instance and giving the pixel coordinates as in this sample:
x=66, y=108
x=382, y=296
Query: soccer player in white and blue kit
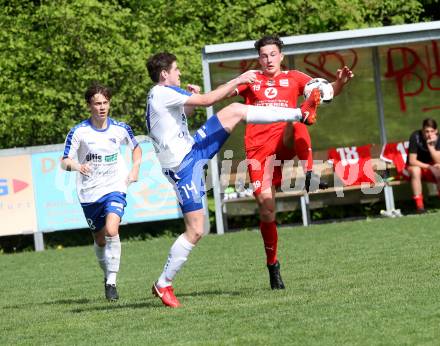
x=183, y=156
x=92, y=148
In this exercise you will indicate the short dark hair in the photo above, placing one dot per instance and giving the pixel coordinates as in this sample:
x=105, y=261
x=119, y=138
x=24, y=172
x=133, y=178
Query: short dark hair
x=429, y=122
x=97, y=88
x=267, y=40
x=159, y=62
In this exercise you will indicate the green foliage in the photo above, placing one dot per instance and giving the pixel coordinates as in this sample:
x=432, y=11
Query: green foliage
x=50, y=51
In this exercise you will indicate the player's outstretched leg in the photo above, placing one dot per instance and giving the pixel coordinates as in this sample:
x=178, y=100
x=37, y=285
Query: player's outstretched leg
x=276, y=283
x=232, y=114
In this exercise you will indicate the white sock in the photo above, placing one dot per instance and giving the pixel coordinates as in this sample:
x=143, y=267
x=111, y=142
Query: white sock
x=177, y=257
x=111, y=278
x=112, y=258
x=266, y=115
x=100, y=255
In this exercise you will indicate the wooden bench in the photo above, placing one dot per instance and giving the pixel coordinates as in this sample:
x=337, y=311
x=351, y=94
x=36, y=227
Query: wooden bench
x=290, y=198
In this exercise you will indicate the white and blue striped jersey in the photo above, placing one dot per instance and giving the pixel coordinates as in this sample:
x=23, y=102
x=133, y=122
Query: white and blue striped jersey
x=167, y=124
x=100, y=148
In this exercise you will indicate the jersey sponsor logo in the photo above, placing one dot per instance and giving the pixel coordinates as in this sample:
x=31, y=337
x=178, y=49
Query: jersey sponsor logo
x=271, y=93
x=270, y=82
x=111, y=158
x=104, y=172
x=271, y=103
x=17, y=186
x=112, y=140
x=94, y=157
x=284, y=82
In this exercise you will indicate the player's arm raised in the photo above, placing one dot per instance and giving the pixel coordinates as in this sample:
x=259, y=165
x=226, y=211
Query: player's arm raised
x=343, y=76
x=222, y=92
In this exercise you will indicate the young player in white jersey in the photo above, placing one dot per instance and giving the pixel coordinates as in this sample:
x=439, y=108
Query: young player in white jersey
x=183, y=156
x=92, y=148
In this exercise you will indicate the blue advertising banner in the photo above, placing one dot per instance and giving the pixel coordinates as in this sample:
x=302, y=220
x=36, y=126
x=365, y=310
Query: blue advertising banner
x=55, y=194
x=151, y=198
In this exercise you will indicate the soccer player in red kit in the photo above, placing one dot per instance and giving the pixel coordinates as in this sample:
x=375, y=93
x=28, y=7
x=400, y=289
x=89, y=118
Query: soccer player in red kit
x=280, y=141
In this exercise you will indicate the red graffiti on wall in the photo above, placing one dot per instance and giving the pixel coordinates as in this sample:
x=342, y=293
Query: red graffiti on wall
x=318, y=64
x=421, y=67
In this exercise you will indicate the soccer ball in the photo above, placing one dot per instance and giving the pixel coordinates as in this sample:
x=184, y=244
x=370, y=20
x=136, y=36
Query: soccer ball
x=324, y=87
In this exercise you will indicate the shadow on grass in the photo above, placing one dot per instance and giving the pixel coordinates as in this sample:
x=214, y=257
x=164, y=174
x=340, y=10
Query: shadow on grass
x=153, y=302
x=210, y=293
x=70, y=301
x=116, y=306
x=81, y=301
x=73, y=301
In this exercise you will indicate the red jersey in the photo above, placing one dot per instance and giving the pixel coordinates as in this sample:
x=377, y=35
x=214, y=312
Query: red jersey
x=352, y=164
x=280, y=91
x=396, y=153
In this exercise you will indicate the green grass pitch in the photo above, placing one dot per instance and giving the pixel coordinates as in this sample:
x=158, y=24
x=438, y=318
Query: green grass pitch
x=373, y=282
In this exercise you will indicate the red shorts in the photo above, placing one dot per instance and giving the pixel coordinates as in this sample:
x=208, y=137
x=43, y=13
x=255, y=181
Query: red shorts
x=427, y=175
x=265, y=171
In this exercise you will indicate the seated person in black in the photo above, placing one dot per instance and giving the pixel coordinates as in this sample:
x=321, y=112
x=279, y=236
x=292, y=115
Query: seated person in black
x=424, y=160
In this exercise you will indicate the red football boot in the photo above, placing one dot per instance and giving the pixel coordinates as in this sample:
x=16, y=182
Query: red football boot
x=309, y=107
x=166, y=294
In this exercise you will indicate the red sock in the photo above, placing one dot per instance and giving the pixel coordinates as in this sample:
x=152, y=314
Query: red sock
x=270, y=239
x=418, y=199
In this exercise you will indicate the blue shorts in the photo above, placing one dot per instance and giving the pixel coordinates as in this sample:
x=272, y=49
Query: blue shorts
x=96, y=212
x=188, y=180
